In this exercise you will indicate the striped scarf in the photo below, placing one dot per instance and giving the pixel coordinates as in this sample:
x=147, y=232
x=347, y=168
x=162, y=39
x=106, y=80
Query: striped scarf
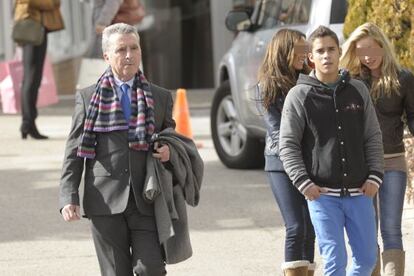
x=105, y=114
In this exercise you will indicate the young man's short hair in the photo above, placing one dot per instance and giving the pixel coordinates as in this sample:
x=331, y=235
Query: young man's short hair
x=320, y=32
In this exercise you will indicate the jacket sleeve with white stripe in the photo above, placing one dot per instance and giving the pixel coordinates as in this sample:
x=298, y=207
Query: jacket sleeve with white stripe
x=291, y=132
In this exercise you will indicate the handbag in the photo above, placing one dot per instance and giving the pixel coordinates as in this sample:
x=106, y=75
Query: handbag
x=28, y=31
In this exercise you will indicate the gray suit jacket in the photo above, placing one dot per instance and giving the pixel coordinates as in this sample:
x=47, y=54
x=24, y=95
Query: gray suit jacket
x=107, y=177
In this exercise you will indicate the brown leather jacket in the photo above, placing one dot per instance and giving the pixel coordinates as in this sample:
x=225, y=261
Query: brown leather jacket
x=130, y=12
x=45, y=11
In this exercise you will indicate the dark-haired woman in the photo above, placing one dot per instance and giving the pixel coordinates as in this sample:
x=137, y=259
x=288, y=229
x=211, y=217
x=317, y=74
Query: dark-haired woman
x=284, y=60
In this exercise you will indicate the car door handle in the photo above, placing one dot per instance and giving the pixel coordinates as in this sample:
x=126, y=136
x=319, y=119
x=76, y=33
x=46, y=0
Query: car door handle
x=259, y=45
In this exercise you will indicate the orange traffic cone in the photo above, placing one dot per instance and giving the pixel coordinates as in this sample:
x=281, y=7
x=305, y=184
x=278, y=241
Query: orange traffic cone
x=181, y=114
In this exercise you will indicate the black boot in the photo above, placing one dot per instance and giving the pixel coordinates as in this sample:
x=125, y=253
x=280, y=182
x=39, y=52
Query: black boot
x=32, y=131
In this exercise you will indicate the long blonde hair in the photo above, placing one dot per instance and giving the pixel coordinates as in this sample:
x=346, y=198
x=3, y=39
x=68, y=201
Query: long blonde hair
x=388, y=82
x=277, y=74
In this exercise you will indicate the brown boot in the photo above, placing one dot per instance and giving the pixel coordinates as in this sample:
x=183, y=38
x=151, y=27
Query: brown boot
x=393, y=262
x=377, y=268
x=311, y=269
x=295, y=268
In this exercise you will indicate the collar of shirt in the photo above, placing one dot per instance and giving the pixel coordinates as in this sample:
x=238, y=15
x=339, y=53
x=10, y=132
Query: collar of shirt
x=118, y=84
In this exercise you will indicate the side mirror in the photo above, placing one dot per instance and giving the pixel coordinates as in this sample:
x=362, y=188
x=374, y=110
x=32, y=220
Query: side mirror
x=237, y=21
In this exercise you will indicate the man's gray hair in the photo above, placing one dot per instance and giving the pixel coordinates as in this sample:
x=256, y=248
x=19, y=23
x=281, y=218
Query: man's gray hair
x=118, y=28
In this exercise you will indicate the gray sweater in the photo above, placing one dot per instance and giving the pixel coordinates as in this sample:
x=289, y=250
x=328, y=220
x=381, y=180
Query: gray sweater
x=169, y=190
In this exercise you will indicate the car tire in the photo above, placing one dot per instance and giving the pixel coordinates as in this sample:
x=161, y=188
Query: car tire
x=234, y=146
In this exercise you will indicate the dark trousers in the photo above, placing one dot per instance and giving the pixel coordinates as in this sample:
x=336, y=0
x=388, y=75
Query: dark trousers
x=128, y=243
x=33, y=60
x=300, y=236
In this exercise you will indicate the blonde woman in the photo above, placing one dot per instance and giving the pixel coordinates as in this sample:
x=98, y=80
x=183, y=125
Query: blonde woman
x=284, y=60
x=369, y=56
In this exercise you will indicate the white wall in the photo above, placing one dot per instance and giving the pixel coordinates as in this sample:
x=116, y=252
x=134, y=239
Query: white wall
x=6, y=43
x=221, y=37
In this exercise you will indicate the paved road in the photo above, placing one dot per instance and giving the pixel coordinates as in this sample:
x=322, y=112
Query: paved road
x=236, y=230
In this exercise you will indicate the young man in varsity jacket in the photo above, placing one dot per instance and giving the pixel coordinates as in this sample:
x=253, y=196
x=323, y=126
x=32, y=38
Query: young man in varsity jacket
x=331, y=148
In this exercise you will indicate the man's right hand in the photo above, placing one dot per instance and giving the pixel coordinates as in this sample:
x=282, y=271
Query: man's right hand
x=71, y=212
x=313, y=192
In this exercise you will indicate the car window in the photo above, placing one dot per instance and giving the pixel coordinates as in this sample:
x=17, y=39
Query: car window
x=269, y=13
x=295, y=11
x=338, y=11
x=282, y=12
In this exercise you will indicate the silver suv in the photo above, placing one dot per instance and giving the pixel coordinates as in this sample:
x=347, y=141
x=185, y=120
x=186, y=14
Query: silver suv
x=237, y=128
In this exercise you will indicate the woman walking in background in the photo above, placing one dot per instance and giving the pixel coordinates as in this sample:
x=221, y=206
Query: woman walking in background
x=48, y=13
x=107, y=12
x=369, y=56
x=284, y=60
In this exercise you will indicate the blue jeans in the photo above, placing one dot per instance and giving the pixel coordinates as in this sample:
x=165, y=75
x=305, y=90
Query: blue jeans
x=330, y=215
x=300, y=236
x=391, y=203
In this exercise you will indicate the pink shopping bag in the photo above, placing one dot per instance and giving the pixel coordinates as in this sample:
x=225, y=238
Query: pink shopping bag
x=11, y=85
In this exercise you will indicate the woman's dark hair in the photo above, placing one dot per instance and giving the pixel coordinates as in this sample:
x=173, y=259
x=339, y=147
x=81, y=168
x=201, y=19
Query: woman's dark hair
x=277, y=74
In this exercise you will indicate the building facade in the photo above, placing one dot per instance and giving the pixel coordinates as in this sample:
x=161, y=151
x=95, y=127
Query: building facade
x=182, y=40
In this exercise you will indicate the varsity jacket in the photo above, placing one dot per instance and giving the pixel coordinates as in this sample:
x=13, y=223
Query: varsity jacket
x=331, y=138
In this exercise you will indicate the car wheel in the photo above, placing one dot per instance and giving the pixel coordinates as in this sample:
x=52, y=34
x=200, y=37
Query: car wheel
x=233, y=144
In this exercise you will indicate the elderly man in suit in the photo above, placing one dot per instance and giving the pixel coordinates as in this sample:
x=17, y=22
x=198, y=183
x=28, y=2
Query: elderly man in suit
x=109, y=140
